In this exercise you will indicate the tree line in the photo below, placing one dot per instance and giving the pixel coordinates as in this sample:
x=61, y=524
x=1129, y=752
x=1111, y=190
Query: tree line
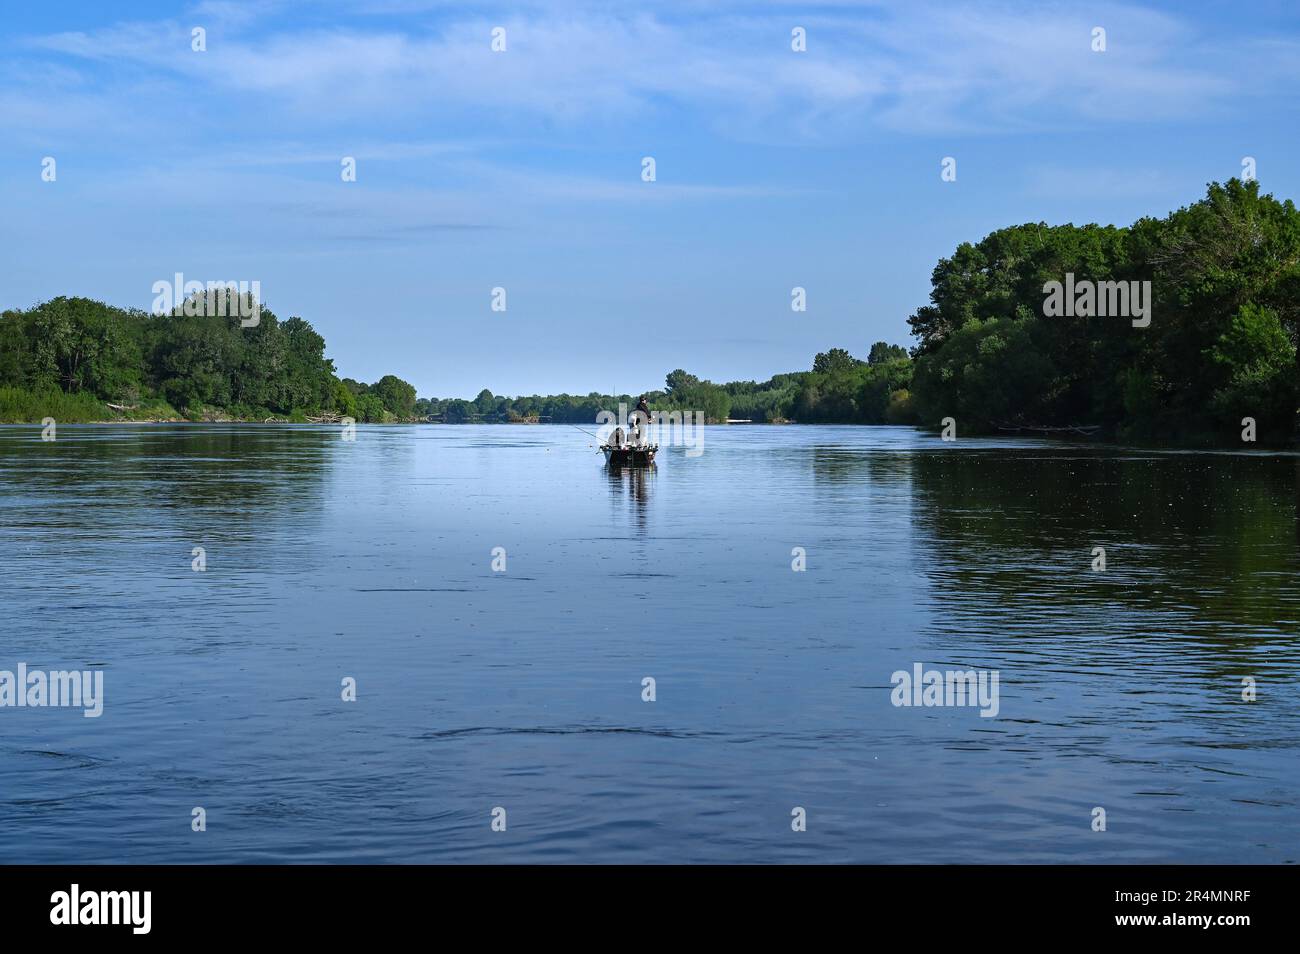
x=839, y=389
x=1219, y=282
x=1224, y=311
x=1204, y=352
x=69, y=358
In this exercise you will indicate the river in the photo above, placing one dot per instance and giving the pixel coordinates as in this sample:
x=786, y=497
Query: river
x=499, y=600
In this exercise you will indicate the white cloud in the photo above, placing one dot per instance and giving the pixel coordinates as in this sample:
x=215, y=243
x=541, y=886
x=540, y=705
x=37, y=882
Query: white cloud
x=923, y=67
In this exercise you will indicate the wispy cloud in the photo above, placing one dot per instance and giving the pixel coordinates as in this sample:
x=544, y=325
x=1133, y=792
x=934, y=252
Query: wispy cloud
x=920, y=67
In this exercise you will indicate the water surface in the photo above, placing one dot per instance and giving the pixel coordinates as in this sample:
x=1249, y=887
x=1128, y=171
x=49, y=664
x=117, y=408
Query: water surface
x=373, y=559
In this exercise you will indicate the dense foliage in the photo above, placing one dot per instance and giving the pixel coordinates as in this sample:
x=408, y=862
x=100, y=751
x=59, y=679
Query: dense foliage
x=1221, y=345
x=839, y=389
x=70, y=357
x=490, y=408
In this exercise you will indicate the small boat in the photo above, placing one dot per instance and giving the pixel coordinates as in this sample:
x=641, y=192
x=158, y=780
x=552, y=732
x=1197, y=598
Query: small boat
x=629, y=455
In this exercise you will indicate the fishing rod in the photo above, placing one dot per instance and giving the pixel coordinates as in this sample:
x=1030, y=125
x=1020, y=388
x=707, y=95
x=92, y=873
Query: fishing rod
x=584, y=430
x=588, y=433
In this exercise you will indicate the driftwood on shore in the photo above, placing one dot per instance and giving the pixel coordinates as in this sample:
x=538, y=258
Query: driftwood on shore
x=1087, y=430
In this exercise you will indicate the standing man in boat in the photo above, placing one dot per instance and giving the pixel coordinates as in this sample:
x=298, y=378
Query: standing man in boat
x=643, y=420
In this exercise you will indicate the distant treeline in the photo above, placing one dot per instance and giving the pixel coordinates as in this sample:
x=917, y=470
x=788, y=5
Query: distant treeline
x=74, y=359
x=840, y=389
x=1204, y=336
x=1218, y=282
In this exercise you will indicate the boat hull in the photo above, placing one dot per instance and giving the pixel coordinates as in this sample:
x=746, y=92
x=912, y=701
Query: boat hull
x=629, y=456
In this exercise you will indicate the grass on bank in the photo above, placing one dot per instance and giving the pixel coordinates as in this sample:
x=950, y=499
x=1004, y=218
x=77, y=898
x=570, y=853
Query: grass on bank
x=21, y=406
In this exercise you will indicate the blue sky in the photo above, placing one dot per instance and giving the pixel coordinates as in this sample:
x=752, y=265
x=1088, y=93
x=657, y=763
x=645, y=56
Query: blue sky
x=522, y=169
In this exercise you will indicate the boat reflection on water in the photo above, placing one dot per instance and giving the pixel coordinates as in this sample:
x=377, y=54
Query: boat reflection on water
x=633, y=483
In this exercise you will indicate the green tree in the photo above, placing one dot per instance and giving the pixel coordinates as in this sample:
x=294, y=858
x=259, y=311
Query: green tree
x=396, y=395
x=371, y=409
x=679, y=379
x=345, y=401
x=1259, y=360
x=882, y=352
x=834, y=362
x=1224, y=281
